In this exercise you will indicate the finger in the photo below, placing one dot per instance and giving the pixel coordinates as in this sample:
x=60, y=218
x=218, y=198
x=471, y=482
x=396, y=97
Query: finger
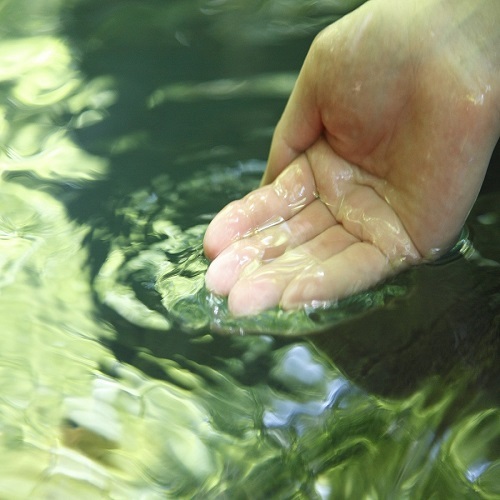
x=357, y=268
x=262, y=208
x=260, y=288
x=266, y=246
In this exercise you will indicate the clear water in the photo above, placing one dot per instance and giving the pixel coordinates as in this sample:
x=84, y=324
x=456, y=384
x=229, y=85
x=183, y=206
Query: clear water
x=124, y=126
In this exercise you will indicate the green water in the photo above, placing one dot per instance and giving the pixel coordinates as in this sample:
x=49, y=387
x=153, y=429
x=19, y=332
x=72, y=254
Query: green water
x=124, y=127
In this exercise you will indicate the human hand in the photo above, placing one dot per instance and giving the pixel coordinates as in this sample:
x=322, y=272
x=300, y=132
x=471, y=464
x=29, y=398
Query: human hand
x=375, y=162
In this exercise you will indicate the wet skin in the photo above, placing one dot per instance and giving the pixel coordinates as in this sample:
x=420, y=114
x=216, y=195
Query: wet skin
x=376, y=161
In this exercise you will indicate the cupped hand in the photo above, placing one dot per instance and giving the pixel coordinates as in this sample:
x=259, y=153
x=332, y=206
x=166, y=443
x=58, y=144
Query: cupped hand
x=374, y=165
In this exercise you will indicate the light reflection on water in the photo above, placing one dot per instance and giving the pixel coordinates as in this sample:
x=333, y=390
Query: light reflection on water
x=111, y=383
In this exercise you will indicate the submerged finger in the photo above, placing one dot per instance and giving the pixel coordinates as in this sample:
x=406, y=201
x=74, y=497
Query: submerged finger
x=357, y=268
x=261, y=287
x=266, y=246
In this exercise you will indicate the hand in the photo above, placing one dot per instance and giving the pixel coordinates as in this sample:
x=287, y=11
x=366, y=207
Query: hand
x=375, y=163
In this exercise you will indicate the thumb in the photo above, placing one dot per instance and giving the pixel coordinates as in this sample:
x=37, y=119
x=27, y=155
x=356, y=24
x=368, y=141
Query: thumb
x=298, y=128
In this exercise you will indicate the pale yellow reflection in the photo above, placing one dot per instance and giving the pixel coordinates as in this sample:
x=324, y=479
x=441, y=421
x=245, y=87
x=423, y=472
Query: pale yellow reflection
x=272, y=85
x=41, y=76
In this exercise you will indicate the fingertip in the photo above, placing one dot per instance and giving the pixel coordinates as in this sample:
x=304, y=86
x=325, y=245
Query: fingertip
x=208, y=247
x=213, y=281
x=226, y=227
x=211, y=243
x=222, y=274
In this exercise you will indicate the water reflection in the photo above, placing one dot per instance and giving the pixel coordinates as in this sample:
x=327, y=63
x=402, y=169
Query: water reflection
x=112, y=380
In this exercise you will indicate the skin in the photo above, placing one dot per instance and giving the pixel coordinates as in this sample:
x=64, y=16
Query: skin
x=376, y=161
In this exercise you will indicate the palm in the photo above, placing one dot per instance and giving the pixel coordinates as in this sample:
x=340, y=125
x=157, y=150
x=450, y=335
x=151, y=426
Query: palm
x=386, y=155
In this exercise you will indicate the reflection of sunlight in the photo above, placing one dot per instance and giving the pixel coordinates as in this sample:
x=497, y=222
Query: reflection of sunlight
x=472, y=447
x=475, y=471
x=47, y=348
x=28, y=56
x=272, y=85
x=299, y=364
x=57, y=162
x=41, y=74
x=295, y=368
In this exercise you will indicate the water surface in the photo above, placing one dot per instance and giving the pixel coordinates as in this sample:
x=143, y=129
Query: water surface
x=125, y=126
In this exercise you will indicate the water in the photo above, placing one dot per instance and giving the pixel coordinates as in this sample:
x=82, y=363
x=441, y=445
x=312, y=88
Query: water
x=124, y=127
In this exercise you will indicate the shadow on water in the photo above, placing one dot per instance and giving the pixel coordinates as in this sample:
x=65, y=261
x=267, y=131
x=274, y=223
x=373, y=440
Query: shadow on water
x=446, y=327
x=174, y=48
